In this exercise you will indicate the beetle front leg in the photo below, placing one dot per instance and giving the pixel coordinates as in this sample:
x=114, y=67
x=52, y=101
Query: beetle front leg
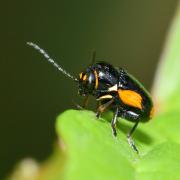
x=103, y=107
x=85, y=102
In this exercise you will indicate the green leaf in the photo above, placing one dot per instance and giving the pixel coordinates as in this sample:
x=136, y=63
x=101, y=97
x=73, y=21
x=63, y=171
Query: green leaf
x=167, y=81
x=93, y=152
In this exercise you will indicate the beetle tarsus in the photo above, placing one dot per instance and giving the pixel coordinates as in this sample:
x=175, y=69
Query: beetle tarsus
x=113, y=122
x=114, y=132
x=132, y=144
x=98, y=114
x=129, y=138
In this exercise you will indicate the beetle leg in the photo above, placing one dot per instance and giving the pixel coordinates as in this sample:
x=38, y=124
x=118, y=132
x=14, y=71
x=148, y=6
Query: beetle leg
x=103, y=107
x=85, y=102
x=113, y=122
x=129, y=137
x=98, y=112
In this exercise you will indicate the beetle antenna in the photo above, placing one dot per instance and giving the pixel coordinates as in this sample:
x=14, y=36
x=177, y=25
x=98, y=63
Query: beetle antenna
x=45, y=54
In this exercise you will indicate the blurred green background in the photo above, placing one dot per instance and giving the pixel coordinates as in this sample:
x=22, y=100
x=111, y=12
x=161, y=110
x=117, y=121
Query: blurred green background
x=126, y=33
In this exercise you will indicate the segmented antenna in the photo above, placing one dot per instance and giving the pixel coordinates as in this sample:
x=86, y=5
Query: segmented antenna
x=45, y=54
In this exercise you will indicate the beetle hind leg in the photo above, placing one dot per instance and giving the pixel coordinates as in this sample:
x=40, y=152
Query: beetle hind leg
x=129, y=137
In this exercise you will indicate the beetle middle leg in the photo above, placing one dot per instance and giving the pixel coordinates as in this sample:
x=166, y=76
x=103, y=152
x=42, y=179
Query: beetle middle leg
x=113, y=122
x=103, y=107
x=129, y=137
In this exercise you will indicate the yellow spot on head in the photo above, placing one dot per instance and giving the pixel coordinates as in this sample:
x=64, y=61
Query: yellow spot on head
x=80, y=75
x=130, y=98
x=84, y=77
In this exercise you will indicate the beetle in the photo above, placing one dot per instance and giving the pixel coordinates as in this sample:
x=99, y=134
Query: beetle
x=114, y=89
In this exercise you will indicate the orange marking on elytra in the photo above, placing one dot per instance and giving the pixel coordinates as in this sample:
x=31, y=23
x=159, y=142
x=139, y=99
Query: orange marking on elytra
x=130, y=98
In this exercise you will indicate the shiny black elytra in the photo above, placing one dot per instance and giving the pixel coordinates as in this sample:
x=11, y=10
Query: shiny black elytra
x=114, y=89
